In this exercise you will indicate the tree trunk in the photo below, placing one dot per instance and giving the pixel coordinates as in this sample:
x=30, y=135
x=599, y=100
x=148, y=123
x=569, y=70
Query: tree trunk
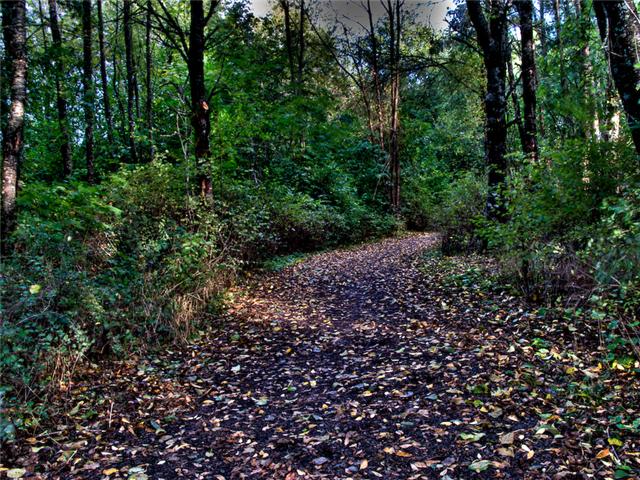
x=61, y=101
x=47, y=67
x=558, y=25
x=395, y=23
x=616, y=26
x=5, y=73
x=543, y=29
x=200, y=113
x=115, y=82
x=301, y=47
x=492, y=38
x=131, y=86
x=530, y=141
x=588, y=83
x=375, y=73
x=15, y=43
x=288, y=38
x=149, y=95
x=103, y=75
x=88, y=88
x=517, y=114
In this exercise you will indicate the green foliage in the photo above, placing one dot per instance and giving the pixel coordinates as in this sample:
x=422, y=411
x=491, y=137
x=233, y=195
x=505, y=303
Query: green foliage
x=552, y=207
x=107, y=269
x=614, y=254
x=459, y=211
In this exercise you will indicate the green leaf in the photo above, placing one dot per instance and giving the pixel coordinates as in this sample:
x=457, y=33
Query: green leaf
x=480, y=465
x=474, y=437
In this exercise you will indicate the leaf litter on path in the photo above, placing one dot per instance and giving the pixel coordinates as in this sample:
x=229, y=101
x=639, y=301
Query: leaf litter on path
x=367, y=362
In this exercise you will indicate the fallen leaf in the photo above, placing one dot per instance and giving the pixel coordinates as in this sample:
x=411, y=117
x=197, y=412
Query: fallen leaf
x=16, y=473
x=507, y=438
x=480, y=465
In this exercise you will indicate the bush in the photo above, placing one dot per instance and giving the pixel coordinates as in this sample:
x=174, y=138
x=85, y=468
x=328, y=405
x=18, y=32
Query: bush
x=614, y=254
x=98, y=270
x=459, y=212
x=552, y=207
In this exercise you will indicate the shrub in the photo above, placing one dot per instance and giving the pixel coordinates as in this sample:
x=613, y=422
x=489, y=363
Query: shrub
x=459, y=211
x=614, y=254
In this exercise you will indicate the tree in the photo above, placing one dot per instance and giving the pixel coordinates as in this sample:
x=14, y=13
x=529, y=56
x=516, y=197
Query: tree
x=191, y=47
x=61, y=101
x=617, y=29
x=131, y=79
x=301, y=47
x=528, y=68
x=103, y=75
x=394, y=14
x=15, y=58
x=148, y=83
x=88, y=88
x=491, y=33
x=286, y=10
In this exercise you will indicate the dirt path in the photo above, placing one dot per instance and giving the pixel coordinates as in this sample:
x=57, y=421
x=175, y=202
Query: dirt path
x=352, y=364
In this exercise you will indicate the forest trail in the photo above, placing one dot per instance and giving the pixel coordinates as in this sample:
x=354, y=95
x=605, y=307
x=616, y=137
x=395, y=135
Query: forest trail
x=356, y=363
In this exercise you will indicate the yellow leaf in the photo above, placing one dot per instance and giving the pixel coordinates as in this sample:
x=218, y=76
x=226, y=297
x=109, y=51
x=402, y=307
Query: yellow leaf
x=16, y=473
x=402, y=453
x=364, y=464
x=110, y=471
x=506, y=452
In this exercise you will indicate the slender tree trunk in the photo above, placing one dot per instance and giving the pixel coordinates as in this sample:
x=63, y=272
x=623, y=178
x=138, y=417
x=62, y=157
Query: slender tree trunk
x=103, y=75
x=301, y=47
x=149, y=89
x=558, y=25
x=543, y=29
x=395, y=23
x=375, y=73
x=200, y=113
x=15, y=43
x=5, y=73
x=115, y=82
x=517, y=114
x=616, y=26
x=47, y=67
x=61, y=101
x=131, y=86
x=492, y=38
x=588, y=83
x=530, y=141
x=288, y=38
x=43, y=28
x=88, y=88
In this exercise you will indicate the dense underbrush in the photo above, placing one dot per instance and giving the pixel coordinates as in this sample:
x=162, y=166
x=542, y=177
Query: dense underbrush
x=138, y=261
x=571, y=243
